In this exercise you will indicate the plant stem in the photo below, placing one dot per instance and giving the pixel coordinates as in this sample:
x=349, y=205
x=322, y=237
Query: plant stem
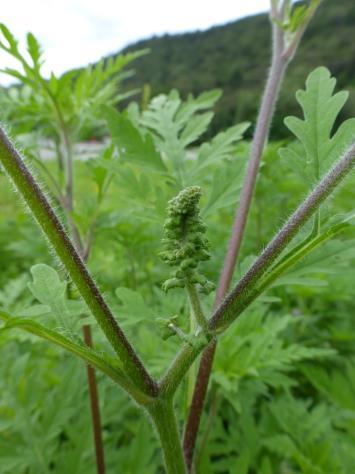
x=163, y=416
x=69, y=185
x=230, y=308
x=281, y=56
x=199, y=396
x=65, y=146
x=245, y=291
x=56, y=235
x=68, y=208
x=196, y=306
x=57, y=192
x=181, y=364
x=285, y=263
x=191, y=376
x=95, y=408
x=69, y=189
x=79, y=350
x=276, y=73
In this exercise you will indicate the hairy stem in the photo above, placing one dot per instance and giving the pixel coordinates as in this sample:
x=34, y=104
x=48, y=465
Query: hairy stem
x=56, y=235
x=177, y=371
x=286, y=263
x=231, y=307
x=276, y=73
x=163, y=417
x=90, y=357
x=298, y=255
x=281, y=57
x=240, y=297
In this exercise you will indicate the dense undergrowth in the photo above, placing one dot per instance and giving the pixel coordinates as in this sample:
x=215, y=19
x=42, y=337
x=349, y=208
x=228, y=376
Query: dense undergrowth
x=282, y=394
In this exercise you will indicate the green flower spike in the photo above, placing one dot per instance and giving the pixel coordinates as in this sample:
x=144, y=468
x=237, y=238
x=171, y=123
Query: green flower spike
x=185, y=244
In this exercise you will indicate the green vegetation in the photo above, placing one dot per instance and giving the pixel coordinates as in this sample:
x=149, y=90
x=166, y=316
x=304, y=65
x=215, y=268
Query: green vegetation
x=235, y=58
x=139, y=231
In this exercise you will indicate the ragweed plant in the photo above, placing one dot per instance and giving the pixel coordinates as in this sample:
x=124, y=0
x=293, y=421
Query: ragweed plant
x=185, y=243
x=157, y=140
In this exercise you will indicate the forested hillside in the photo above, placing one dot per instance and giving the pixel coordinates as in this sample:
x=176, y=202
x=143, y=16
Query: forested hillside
x=234, y=57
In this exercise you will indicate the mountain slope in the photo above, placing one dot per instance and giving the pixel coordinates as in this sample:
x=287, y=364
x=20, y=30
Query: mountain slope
x=235, y=58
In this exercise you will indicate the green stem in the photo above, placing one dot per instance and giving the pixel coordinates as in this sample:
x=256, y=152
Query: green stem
x=181, y=364
x=316, y=224
x=196, y=306
x=226, y=313
x=64, y=249
x=90, y=357
x=285, y=264
x=56, y=187
x=69, y=175
x=163, y=417
x=243, y=294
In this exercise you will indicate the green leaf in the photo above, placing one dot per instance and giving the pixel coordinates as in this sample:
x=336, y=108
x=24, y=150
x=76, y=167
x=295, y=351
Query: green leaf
x=299, y=15
x=307, y=435
x=10, y=39
x=93, y=358
x=242, y=464
x=338, y=385
x=175, y=125
x=50, y=291
x=266, y=466
x=204, y=101
x=133, y=309
x=34, y=48
x=255, y=347
x=16, y=74
x=319, y=146
x=224, y=186
x=222, y=146
x=11, y=292
x=328, y=257
x=47, y=286
x=132, y=146
x=196, y=126
x=100, y=170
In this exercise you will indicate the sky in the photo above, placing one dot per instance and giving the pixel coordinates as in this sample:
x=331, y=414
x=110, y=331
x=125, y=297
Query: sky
x=74, y=33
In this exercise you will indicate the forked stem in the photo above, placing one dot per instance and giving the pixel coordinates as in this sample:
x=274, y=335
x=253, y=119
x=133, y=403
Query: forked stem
x=240, y=297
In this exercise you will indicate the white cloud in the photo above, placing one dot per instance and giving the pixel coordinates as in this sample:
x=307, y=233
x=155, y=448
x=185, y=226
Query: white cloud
x=76, y=32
